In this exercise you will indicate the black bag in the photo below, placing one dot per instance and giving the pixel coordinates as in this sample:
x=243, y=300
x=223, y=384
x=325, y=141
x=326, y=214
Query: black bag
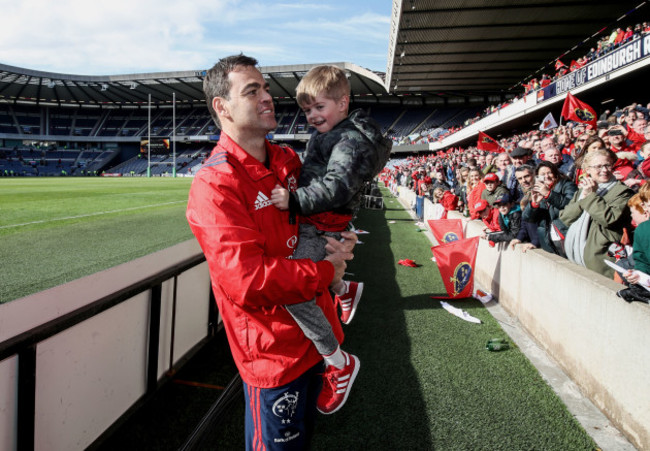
x=633, y=293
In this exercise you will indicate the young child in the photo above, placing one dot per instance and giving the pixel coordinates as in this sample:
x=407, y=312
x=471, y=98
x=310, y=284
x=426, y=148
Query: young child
x=493, y=188
x=639, y=204
x=509, y=220
x=341, y=156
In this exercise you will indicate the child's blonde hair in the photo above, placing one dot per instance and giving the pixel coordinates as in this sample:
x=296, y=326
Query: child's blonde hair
x=636, y=202
x=329, y=81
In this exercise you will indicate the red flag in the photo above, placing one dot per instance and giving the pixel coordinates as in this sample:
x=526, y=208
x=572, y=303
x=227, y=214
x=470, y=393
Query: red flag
x=559, y=64
x=456, y=262
x=485, y=142
x=575, y=110
x=446, y=230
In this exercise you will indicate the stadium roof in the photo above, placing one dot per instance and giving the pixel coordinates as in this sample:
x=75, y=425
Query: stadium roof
x=19, y=85
x=482, y=46
x=437, y=48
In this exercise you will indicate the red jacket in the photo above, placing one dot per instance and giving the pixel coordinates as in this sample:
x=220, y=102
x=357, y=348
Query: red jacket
x=473, y=197
x=246, y=242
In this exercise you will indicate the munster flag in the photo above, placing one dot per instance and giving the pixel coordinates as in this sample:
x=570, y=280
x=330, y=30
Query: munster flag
x=575, y=110
x=559, y=64
x=456, y=262
x=446, y=230
x=487, y=143
x=548, y=122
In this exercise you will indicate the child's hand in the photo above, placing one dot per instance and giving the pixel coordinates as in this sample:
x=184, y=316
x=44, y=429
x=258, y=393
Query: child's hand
x=280, y=198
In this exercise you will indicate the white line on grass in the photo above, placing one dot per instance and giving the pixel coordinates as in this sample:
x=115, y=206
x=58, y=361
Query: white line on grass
x=91, y=214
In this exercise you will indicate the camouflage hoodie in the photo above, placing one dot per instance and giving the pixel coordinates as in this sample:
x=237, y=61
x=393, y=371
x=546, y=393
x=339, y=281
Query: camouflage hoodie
x=336, y=165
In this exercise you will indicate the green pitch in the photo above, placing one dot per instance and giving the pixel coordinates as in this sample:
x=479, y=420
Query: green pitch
x=426, y=380
x=54, y=230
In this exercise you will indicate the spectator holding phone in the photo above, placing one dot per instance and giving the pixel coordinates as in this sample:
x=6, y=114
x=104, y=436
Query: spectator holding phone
x=597, y=214
x=551, y=192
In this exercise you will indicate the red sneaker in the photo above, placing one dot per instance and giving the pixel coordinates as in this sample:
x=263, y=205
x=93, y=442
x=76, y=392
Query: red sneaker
x=349, y=301
x=337, y=385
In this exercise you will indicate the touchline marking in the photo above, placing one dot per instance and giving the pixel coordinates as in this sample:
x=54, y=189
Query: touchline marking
x=91, y=214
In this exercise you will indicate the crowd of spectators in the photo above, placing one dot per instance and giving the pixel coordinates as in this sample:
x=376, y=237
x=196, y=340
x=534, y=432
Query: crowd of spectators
x=609, y=41
x=567, y=191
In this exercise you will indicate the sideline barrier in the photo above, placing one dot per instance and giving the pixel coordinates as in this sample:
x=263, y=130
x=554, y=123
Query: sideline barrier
x=75, y=358
x=597, y=338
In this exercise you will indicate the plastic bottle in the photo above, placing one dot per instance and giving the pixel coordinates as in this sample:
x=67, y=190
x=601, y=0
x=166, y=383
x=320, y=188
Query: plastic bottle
x=497, y=344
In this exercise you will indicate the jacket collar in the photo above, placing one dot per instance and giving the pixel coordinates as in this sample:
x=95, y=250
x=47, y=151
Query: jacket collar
x=256, y=170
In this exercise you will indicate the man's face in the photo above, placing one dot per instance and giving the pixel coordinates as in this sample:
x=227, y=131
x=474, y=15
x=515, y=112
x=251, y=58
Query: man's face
x=502, y=161
x=250, y=106
x=639, y=125
x=525, y=179
x=577, y=131
x=646, y=133
x=537, y=145
x=481, y=160
x=553, y=155
x=615, y=140
x=488, y=158
x=518, y=161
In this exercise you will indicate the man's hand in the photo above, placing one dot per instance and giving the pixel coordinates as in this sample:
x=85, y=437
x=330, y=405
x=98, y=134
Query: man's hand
x=513, y=243
x=280, y=197
x=339, y=252
x=527, y=246
x=633, y=182
x=631, y=276
x=349, y=240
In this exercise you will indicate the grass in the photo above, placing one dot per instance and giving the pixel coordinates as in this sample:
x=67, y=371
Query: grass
x=426, y=380
x=54, y=230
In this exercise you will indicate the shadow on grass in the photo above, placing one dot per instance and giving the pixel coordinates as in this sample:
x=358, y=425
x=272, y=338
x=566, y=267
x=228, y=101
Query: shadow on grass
x=386, y=409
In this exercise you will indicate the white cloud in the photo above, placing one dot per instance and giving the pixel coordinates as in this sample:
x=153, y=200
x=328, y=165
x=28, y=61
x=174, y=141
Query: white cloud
x=131, y=36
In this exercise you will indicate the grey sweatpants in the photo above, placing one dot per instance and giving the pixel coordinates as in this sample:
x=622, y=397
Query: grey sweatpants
x=309, y=316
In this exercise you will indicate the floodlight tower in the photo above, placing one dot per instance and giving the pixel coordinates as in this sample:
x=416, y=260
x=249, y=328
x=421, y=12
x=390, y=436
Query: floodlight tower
x=149, y=138
x=173, y=134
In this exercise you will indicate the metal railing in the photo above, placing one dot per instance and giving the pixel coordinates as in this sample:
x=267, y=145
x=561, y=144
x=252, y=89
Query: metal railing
x=24, y=345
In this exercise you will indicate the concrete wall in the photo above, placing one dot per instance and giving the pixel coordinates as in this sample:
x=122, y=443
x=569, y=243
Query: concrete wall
x=600, y=340
x=88, y=375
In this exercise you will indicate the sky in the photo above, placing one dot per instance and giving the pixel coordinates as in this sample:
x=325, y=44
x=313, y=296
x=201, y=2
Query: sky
x=100, y=37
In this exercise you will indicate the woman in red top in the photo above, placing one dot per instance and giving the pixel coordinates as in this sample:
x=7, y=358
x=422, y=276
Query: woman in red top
x=475, y=187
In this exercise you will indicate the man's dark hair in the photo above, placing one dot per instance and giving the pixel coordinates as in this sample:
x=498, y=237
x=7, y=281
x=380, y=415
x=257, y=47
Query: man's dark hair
x=216, y=82
x=525, y=167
